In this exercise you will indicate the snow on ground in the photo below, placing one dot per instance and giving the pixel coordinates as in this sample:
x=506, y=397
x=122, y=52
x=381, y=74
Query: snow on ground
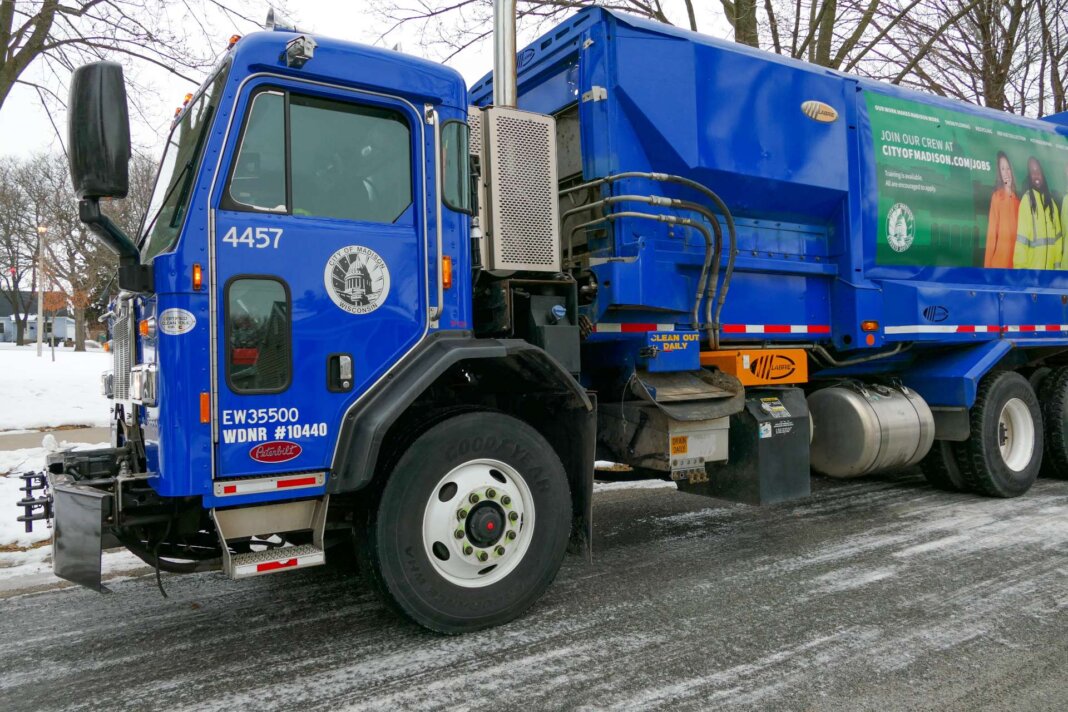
x=40, y=393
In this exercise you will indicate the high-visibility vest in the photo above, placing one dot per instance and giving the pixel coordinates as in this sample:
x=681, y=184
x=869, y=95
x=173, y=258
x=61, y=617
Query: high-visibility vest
x=1039, y=241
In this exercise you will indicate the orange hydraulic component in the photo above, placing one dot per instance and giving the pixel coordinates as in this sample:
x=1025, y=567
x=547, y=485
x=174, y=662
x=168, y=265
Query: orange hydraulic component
x=760, y=367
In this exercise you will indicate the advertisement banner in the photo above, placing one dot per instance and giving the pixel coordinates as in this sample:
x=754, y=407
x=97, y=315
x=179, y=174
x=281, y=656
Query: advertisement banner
x=957, y=190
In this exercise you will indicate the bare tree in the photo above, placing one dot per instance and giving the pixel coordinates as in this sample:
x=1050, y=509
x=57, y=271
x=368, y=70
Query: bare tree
x=1053, y=24
x=58, y=35
x=18, y=246
x=74, y=263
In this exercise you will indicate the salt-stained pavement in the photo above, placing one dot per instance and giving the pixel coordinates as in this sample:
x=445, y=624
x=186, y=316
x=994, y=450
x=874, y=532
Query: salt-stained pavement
x=877, y=594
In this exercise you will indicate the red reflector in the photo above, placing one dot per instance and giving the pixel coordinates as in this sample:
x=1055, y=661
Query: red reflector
x=275, y=565
x=230, y=489
x=301, y=482
x=489, y=525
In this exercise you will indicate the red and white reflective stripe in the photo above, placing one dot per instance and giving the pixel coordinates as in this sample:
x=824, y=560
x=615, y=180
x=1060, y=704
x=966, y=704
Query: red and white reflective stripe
x=776, y=329
x=605, y=328
x=975, y=328
x=269, y=484
x=268, y=567
x=1032, y=328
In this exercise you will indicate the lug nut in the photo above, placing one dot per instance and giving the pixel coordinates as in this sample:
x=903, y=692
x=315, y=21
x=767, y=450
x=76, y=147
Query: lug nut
x=459, y=534
x=462, y=514
x=473, y=498
x=513, y=516
x=482, y=556
x=491, y=493
x=506, y=500
x=468, y=550
x=499, y=551
x=512, y=535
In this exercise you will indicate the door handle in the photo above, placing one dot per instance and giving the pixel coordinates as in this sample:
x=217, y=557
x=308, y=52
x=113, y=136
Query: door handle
x=339, y=373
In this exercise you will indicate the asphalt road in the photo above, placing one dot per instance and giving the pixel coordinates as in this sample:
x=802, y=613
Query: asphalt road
x=876, y=594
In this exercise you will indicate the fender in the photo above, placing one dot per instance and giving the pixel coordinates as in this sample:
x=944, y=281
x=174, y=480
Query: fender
x=530, y=370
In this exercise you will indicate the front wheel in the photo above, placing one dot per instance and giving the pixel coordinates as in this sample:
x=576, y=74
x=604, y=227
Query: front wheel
x=472, y=524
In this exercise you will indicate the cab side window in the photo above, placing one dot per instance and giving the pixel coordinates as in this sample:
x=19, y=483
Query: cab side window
x=308, y=156
x=258, y=181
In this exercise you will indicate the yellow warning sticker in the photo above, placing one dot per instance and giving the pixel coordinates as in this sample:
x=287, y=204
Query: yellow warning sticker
x=680, y=444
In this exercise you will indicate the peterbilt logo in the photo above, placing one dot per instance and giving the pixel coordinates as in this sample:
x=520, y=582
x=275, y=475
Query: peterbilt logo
x=935, y=313
x=772, y=367
x=273, y=452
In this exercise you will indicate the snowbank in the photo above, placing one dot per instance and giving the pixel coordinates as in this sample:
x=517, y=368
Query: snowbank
x=38, y=393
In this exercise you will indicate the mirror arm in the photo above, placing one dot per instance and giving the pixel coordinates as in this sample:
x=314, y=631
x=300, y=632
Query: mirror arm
x=133, y=275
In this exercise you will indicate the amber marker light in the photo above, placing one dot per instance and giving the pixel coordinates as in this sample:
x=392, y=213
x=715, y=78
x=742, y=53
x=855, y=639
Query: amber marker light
x=233, y=41
x=446, y=272
x=205, y=407
x=198, y=277
x=869, y=325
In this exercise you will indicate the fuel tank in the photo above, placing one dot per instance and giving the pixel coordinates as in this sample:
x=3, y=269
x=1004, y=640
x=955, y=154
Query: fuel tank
x=863, y=428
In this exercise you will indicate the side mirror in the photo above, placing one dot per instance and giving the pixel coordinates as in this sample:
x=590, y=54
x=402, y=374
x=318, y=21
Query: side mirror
x=98, y=131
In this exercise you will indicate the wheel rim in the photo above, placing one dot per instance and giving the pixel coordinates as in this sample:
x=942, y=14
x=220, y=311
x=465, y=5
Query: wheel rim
x=478, y=523
x=1016, y=434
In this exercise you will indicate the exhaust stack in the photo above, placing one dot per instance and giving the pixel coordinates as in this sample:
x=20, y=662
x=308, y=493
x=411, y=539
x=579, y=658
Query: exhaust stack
x=504, y=71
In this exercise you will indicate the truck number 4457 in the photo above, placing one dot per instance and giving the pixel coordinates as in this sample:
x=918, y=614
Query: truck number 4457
x=256, y=237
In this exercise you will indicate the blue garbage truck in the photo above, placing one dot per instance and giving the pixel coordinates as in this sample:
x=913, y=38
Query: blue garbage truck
x=374, y=313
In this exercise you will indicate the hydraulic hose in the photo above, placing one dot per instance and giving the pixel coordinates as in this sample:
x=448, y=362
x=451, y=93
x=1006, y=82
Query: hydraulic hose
x=706, y=285
x=671, y=220
x=693, y=185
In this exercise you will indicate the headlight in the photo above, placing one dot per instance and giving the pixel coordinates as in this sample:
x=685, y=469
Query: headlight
x=143, y=384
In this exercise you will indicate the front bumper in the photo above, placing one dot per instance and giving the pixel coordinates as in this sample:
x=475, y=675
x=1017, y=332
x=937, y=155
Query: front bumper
x=77, y=495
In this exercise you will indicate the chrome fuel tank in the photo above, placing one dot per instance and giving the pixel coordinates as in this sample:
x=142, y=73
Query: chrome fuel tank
x=859, y=429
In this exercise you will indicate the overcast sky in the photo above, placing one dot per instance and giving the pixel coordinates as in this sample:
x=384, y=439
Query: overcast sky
x=25, y=127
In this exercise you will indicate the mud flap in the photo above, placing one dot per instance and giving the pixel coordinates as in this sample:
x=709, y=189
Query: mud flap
x=79, y=534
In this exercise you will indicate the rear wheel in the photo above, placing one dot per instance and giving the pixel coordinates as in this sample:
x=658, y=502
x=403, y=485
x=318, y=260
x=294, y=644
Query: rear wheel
x=472, y=524
x=940, y=468
x=1002, y=456
x=1053, y=395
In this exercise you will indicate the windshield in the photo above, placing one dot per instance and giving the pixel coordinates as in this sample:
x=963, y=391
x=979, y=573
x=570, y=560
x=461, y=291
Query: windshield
x=170, y=197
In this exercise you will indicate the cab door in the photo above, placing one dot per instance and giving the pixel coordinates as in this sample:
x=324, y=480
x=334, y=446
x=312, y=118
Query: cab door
x=320, y=267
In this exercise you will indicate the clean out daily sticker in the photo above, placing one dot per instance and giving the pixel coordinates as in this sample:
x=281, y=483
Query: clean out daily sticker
x=175, y=322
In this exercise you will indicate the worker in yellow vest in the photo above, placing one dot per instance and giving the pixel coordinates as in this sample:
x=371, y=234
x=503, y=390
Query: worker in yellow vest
x=1039, y=239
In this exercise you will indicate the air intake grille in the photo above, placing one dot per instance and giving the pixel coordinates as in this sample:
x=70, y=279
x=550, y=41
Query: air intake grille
x=524, y=225
x=122, y=348
x=474, y=122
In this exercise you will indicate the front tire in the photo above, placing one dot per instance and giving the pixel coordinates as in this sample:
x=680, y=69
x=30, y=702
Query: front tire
x=472, y=524
x=1002, y=456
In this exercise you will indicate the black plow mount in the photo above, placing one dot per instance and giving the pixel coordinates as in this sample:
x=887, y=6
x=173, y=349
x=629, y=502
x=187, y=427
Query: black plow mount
x=35, y=508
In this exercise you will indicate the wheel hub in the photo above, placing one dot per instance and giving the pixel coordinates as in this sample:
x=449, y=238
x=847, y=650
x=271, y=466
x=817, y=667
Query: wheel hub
x=485, y=524
x=1016, y=434
x=478, y=523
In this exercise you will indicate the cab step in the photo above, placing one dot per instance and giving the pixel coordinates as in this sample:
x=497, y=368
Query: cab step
x=270, y=561
x=238, y=524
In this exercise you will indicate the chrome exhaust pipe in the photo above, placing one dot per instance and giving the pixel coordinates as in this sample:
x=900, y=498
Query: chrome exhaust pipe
x=504, y=70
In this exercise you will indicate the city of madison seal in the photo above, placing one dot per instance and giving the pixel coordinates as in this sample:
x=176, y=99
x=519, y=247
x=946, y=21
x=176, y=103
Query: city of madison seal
x=357, y=279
